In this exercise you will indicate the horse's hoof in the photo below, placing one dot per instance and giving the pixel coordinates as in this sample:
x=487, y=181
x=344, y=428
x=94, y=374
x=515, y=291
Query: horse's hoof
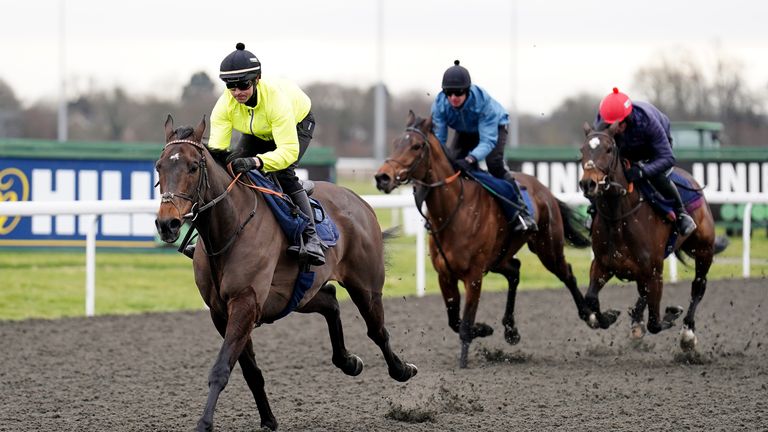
x=204, y=426
x=637, y=331
x=671, y=313
x=408, y=371
x=270, y=424
x=609, y=317
x=352, y=365
x=592, y=321
x=688, y=339
x=511, y=335
x=482, y=330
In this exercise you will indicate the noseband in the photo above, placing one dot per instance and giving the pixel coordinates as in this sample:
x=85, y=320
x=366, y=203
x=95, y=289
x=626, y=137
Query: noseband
x=202, y=184
x=405, y=178
x=607, y=182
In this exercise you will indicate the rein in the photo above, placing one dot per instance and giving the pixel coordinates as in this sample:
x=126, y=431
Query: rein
x=608, y=182
x=198, y=207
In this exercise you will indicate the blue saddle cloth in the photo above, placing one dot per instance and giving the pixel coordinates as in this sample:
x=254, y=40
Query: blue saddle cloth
x=691, y=196
x=293, y=223
x=504, y=189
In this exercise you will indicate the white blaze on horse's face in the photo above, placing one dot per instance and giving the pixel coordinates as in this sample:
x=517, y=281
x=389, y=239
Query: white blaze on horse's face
x=174, y=157
x=594, y=142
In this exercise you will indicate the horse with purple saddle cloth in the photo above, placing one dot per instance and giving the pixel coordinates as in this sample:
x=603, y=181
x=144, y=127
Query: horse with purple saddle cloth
x=692, y=197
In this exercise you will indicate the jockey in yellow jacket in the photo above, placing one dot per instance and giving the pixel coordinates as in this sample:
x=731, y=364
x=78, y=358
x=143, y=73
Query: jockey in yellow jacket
x=275, y=119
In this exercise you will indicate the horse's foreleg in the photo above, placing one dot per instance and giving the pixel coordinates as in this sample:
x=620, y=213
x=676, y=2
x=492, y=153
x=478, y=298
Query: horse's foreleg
x=468, y=329
x=252, y=375
x=512, y=274
x=372, y=310
x=326, y=304
x=654, y=286
x=449, y=287
x=598, y=277
x=637, y=325
x=241, y=313
x=255, y=380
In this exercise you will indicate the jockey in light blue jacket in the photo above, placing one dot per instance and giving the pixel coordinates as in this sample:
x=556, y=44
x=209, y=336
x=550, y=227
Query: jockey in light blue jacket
x=481, y=126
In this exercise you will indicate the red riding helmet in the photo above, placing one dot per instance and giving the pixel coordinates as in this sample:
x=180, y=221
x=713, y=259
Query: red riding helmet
x=615, y=107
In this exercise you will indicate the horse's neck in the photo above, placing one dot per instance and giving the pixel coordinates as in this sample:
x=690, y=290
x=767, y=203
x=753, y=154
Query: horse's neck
x=228, y=211
x=614, y=208
x=445, y=198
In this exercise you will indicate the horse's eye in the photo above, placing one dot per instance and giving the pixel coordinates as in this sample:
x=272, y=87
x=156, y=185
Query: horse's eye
x=416, y=146
x=157, y=166
x=193, y=168
x=609, y=149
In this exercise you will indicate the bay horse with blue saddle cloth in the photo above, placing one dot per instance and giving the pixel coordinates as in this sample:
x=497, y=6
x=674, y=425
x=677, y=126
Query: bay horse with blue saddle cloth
x=244, y=274
x=633, y=232
x=472, y=234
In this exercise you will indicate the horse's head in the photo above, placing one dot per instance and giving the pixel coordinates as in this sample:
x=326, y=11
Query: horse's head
x=603, y=173
x=182, y=177
x=410, y=157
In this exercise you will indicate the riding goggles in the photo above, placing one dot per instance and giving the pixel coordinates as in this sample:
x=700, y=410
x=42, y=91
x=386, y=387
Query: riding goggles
x=455, y=92
x=240, y=85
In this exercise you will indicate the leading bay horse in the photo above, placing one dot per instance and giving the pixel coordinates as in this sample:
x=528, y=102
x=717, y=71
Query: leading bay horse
x=629, y=239
x=246, y=278
x=470, y=234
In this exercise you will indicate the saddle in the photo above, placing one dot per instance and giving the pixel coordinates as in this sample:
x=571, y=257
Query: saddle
x=505, y=193
x=692, y=197
x=292, y=221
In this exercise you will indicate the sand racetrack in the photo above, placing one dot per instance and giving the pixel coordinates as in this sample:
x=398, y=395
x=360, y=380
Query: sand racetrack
x=149, y=372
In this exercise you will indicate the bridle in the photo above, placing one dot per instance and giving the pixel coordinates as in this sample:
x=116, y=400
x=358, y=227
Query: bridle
x=197, y=201
x=202, y=185
x=606, y=182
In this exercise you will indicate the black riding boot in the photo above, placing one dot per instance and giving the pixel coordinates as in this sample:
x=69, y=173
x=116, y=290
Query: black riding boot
x=312, y=244
x=526, y=223
x=685, y=223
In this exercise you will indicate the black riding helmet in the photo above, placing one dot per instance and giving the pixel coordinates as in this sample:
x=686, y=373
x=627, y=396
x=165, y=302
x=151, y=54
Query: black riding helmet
x=456, y=77
x=240, y=65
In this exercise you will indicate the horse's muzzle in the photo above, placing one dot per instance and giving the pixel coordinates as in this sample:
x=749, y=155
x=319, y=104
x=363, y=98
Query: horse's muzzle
x=589, y=186
x=168, y=228
x=384, y=183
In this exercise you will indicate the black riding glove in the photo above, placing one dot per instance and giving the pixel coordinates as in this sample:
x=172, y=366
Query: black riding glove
x=467, y=164
x=634, y=173
x=241, y=165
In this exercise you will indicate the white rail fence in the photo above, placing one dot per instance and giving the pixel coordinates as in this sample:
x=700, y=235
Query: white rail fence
x=92, y=210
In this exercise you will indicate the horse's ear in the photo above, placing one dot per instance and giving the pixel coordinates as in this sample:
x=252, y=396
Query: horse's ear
x=614, y=128
x=168, y=128
x=587, y=128
x=411, y=118
x=427, y=126
x=200, y=130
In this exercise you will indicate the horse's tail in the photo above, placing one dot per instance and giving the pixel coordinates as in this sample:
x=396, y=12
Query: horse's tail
x=575, y=235
x=721, y=243
x=392, y=232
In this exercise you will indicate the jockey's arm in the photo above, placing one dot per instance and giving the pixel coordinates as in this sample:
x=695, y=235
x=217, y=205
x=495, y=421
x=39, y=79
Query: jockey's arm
x=663, y=159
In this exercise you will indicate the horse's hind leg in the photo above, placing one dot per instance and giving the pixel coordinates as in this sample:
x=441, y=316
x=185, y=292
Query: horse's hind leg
x=688, y=340
x=241, y=313
x=253, y=377
x=372, y=310
x=512, y=274
x=552, y=256
x=325, y=303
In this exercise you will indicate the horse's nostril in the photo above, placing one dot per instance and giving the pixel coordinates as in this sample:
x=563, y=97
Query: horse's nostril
x=175, y=224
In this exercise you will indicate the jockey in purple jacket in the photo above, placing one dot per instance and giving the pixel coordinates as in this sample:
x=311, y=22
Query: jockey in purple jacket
x=643, y=138
x=481, y=126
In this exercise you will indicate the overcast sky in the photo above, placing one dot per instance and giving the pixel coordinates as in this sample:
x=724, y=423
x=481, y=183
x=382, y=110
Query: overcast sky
x=533, y=52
